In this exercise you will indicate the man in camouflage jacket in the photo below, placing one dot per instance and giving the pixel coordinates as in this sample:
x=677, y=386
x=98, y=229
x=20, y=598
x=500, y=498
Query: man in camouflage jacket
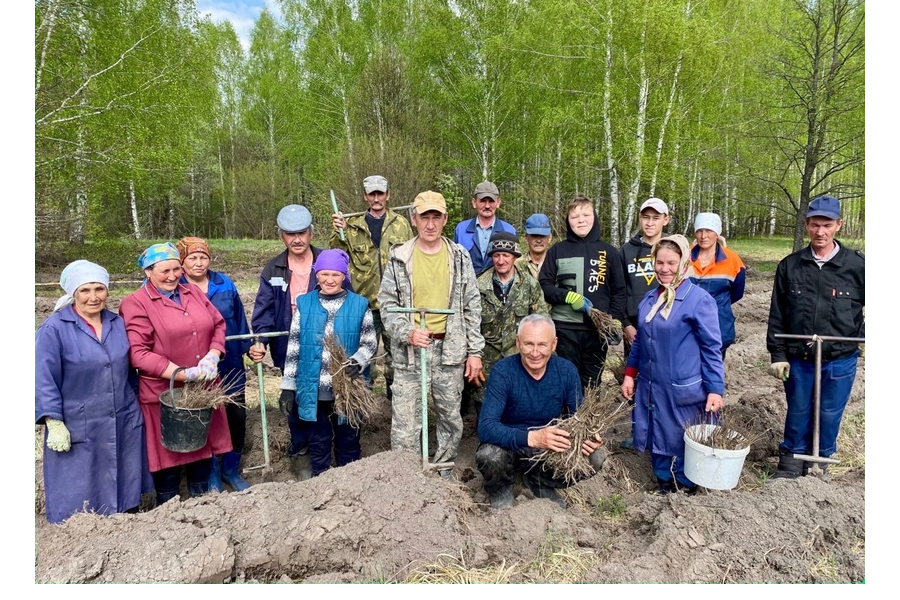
x=508, y=294
x=443, y=279
x=368, y=239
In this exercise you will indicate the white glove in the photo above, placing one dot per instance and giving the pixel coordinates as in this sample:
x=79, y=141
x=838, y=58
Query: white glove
x=58, y=438
x=780, y=370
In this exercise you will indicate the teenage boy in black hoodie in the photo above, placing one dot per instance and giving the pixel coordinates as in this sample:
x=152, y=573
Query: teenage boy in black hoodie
x=580, y=272
x=640, y=277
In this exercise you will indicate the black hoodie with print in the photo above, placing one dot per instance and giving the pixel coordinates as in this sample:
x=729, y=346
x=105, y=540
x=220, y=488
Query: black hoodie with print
x=588, y=266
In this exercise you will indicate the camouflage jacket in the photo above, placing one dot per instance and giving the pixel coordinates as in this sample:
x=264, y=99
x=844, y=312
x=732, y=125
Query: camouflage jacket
x=367, y=262
x=524, y=263
x=463, y=336
x=499, y=322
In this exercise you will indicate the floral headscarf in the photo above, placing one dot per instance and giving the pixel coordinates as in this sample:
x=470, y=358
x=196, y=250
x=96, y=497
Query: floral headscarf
x=189, y=245
x=685, y=269
x=158, y=253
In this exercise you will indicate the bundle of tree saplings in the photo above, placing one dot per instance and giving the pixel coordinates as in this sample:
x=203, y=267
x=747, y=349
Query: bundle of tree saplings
x=353, y=399
x=197, y=395
x=607, y=327
x=601, y=409
x=710, y=430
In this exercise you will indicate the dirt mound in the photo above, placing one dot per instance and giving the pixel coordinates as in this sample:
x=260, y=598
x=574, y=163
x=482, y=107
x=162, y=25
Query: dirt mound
x=383, y=519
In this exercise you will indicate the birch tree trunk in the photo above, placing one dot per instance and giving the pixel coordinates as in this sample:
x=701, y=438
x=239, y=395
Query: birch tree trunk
x=132, y=202
x=637, y=154
x=607, y=132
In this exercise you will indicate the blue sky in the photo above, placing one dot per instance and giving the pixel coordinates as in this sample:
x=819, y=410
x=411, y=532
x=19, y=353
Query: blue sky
x=241, y=13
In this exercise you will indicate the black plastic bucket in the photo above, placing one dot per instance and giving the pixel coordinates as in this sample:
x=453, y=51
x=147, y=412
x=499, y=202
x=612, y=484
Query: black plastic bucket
x=182, y=429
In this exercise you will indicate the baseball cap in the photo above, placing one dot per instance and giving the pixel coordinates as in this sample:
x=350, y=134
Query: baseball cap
x=656, y=204
x=504, y=241
x=537, y=224
x=294, y=218
x=486, y=189
x=375, y=183
x=429, y=201
x=825, y=206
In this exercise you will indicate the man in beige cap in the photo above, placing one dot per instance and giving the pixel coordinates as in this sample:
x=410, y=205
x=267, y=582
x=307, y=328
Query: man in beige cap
x=475, y=234
x=367, y=240
x=430, y=271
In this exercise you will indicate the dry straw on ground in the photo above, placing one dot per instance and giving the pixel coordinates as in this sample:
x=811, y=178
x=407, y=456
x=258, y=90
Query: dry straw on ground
x=601, y=409
x=352, y=397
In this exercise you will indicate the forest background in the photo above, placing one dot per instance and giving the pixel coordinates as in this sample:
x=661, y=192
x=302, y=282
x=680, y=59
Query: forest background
x=154, y=122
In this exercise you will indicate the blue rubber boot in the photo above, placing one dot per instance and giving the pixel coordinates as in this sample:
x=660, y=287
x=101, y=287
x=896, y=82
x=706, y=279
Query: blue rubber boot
x=215, y=480
x=231, y=471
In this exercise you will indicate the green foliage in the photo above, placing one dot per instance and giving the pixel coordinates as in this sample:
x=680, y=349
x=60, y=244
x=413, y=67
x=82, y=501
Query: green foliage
x=152, y=122
x=614, y=506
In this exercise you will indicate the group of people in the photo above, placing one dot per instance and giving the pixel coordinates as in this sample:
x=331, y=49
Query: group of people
x=511, y=328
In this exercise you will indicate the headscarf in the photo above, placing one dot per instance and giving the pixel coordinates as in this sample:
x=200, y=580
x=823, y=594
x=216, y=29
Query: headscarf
x=158, y=253
x=710, y=221
x=189, y=245
x=666, y=297
x=334, y=259
x=75, y=275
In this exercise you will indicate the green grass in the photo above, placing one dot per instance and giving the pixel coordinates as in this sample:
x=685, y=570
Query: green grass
x=614, y=506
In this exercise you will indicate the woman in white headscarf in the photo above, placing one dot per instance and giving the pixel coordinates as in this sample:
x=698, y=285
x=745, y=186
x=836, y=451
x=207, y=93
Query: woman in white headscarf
x=674, y=371
x=95, y=459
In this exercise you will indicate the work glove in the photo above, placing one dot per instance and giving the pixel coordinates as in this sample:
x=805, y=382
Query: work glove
x=579, y=302
x=58, y=437
x=209, y=366
x=193, y=374
x=780, y=370
x=286, y=401
x=353, y=369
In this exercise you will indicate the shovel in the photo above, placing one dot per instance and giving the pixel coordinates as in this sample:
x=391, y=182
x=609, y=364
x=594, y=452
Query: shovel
x=423, y=367
x=814, y=458
x=266, y=467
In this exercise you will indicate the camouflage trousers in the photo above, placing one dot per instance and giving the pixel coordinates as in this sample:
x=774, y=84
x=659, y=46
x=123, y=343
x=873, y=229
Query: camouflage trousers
x=445, y=383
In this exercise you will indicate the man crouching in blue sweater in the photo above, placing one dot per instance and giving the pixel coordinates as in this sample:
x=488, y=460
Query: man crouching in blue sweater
x=524, y=393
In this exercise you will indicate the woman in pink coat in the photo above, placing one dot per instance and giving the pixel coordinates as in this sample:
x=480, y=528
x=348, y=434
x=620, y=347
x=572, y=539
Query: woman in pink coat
x=169, y=326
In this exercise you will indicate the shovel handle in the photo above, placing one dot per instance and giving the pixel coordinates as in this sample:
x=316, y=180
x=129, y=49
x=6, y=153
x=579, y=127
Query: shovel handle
x=336, y=210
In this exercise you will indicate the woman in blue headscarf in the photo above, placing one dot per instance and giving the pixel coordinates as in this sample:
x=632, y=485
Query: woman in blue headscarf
x=95, y=459
x=171, y=325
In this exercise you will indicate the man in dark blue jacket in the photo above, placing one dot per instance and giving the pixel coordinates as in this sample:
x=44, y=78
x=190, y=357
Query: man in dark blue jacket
x=525, y=392
x=475, y=234
x=819, y=290
x=285, y=277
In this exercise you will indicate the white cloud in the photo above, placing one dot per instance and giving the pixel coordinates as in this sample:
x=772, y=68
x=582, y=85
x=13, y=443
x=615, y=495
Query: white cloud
x=241, y=13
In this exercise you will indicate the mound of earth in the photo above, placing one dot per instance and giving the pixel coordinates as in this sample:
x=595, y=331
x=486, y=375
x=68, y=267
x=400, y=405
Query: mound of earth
x=384, y=519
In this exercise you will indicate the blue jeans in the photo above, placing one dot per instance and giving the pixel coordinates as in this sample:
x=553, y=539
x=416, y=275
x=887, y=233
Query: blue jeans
x=837, y=382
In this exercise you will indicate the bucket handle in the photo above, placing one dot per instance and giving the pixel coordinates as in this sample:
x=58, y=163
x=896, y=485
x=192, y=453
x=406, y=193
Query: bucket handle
x=172, y=386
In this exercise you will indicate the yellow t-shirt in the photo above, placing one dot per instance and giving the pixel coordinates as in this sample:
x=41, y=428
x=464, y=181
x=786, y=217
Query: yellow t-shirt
x=431, y=286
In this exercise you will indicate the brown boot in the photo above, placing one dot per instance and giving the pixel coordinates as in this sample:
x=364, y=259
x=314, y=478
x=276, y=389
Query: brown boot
x=301, y=464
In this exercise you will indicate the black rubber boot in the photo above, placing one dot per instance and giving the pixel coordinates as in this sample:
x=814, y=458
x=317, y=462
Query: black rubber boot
x=163, y=497
x=503, y=499
x=547, y=493
x=788, y=466
x=597, y=458
x=198, y=489
x=301, y=464
x=663, y=488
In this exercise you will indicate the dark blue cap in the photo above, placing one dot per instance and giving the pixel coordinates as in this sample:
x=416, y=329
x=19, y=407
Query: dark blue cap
x=825, y=206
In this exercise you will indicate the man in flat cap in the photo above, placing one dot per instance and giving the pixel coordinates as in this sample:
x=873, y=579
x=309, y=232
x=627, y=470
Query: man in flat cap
x=475, y=234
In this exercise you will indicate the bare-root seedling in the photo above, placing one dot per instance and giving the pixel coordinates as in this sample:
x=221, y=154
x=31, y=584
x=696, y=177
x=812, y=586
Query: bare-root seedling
x=600, y=410
x=608, y=327
x=352, y=397
x=197, y=395
x=710, y=430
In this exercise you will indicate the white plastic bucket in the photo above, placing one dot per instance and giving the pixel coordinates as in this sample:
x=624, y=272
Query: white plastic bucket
x=713, y=468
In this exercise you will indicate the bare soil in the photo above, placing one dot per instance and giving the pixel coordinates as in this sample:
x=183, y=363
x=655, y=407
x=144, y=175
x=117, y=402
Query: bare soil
x=384, y=519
